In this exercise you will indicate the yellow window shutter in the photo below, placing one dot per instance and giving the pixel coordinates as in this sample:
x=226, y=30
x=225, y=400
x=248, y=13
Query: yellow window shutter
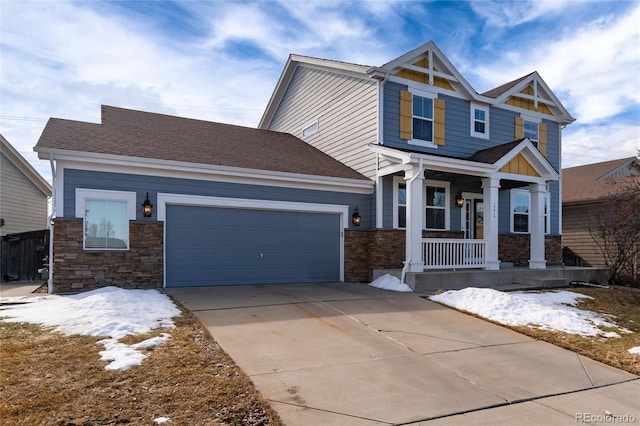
x=519, y=127
x=438, y=121
x=542, y=138
x=406, y=115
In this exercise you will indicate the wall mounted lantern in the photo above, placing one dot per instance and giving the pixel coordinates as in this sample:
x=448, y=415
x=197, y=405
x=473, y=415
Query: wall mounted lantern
x=355, y=218
x=147, y=207
x=459, y=199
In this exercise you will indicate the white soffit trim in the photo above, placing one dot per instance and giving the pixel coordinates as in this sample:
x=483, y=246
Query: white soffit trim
x=438, y=163
x=183, y=170
x=244, y=203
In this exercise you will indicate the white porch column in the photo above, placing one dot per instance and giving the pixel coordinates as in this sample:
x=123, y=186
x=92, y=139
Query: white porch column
x=415, y=203
x=490, y=188
x=379, y=199
x=537, y=260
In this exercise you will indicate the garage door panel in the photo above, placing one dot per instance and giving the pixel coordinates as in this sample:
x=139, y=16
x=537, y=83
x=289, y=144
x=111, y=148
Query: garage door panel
x=223, y=246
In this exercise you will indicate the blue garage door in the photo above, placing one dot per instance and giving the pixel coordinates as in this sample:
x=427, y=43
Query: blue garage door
x=226, y=246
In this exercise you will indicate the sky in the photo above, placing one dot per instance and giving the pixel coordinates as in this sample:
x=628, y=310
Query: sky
x=221, y=60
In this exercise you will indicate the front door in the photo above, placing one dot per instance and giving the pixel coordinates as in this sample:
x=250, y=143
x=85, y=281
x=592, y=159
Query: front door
x=478, y=219
x=473, y=217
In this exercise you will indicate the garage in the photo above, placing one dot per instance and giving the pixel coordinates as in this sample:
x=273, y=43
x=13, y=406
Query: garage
x=228, y=245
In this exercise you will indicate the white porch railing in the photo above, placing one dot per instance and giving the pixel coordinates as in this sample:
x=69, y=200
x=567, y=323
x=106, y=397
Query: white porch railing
x=446, y=253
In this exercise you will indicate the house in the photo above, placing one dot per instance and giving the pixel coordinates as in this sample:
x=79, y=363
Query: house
x=353, y=169
x=23, y=193
x=471, y=179
x=24, y=196
x=585, y=190
x=149, y=200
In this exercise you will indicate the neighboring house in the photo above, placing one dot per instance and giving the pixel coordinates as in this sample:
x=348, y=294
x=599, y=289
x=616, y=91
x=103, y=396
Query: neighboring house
x=471, y=179
x=23, y=193
x=24, y=196
x=228, y=204
x=585, y=189
x=354, y=168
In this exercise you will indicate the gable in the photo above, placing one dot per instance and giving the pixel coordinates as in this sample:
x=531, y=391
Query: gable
x=530, y=93
x=519, y=166
x=426, y=64
x=422, y=72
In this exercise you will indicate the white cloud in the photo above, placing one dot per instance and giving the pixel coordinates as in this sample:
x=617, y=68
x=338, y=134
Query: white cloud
x=64, y=59
x=499, y=13
x=596, y=143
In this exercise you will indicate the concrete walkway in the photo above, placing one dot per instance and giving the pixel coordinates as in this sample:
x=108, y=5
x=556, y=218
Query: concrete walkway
x=19, y=288
x=349, y=354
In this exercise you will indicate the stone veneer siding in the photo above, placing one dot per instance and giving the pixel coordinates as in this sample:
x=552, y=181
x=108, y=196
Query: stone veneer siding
x=76, y=269
x=515, y=248
x=371, y=249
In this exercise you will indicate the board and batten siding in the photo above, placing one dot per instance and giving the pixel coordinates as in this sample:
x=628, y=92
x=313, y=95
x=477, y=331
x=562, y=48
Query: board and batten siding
x=141, y=184
x=22, y=205
x=345, y=108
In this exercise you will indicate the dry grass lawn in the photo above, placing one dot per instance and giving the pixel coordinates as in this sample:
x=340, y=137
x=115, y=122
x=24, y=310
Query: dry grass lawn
x=47, y=378
x=624, y=306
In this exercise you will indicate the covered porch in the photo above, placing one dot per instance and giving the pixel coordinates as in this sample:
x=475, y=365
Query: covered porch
x=480, y=203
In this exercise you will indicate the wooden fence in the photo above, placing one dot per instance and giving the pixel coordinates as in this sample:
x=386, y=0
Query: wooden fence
x=23, y=254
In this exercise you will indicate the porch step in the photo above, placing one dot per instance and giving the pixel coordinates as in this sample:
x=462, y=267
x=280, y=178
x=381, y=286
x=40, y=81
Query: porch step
x=541, y=282
x=509, y=279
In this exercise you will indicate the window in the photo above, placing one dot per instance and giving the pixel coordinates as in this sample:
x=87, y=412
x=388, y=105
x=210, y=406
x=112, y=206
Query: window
x=436, y=207
x=106, y=216
x=436, y=204
x=402, y=205
x=479, y=121
x=399, y=202
x=520, y=205
x=422, y=118
x=531, y=131
x=520, y=211
x=311, y=129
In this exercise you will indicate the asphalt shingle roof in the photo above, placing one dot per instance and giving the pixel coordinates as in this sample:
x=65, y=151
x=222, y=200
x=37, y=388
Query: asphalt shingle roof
x=157, y=136
x=586, y=183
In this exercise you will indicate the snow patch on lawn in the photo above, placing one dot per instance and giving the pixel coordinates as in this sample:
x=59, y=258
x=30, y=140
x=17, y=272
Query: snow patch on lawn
x=549, y=311
x=109, y=311
x=389, y=282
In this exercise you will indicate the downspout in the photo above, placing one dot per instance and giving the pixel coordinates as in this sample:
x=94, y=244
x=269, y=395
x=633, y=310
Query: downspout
x=53, y=215
x=409, y=182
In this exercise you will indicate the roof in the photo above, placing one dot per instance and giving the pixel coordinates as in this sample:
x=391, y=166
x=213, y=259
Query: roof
x=442, y=67
x=131, y=133
x=495, y=153
x=592, y=182
x=25, y=168
x=494, y=93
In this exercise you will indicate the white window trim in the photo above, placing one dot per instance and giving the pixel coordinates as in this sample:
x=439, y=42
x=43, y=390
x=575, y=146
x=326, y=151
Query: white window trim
x=472, y=127
x=447, y=207
x=512, y=195
x=82, y=194
x=532, y=119
x=547, y=217
x=425, y=94
x=444, y=184
x=310, y=129
x=396, y=180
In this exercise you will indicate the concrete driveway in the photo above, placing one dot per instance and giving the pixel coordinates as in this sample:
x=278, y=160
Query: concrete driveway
x=349, y=354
